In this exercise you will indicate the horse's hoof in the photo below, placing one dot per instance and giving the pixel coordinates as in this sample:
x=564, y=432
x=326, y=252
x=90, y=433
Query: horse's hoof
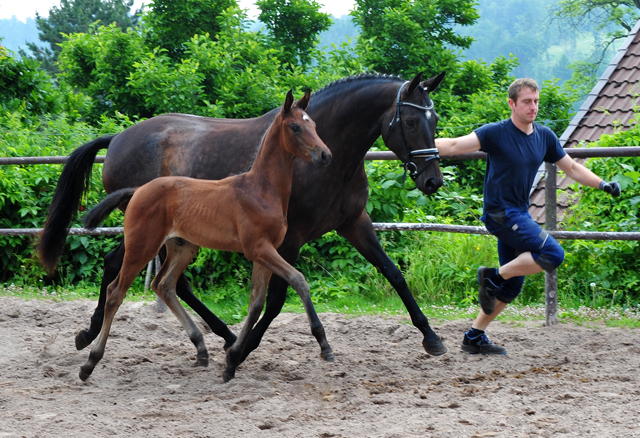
x=81, y=340
x=202, y=362
x=227, y=375
x=227, y=346
x=84, y=374
x=328, y=357
x=434, y=348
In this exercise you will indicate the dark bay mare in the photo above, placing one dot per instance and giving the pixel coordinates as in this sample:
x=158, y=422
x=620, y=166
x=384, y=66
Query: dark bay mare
x=350, y=114
x=244, y=213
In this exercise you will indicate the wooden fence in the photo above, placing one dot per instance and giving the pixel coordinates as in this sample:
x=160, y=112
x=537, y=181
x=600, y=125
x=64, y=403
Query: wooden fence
x=551, y=279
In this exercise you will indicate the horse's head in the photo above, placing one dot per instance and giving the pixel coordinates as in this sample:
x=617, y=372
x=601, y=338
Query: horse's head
x=410, y=132
x=301, y=138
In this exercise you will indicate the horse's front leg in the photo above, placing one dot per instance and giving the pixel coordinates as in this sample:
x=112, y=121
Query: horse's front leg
x=112, y=265
x=259, y=281
x=363, y=237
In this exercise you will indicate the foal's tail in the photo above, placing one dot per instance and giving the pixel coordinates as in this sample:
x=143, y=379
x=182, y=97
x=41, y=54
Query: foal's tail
x=72, y=184
x=97, y=214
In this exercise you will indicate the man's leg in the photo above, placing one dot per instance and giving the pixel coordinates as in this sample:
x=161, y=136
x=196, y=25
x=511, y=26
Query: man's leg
x=475, y=340
x=522, y=265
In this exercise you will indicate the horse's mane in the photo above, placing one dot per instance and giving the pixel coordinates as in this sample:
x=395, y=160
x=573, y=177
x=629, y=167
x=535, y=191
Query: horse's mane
x=338, y=85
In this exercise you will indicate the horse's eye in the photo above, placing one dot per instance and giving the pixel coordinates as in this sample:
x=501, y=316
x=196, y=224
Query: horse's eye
x=296, y=128
x=410, y=123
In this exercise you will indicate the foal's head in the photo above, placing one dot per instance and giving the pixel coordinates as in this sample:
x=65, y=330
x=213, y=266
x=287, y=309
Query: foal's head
x=299, y=132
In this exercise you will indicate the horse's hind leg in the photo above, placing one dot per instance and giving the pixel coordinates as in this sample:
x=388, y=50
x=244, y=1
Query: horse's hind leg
x=112, y=265
x=276, y=297
x=179, y=255
x=259, y=281
x=218, y=326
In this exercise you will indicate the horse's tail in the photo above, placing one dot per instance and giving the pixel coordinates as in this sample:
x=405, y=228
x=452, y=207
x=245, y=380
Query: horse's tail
x=97, y=214
x=72, y=184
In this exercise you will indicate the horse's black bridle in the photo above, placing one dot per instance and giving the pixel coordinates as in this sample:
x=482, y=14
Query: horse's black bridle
x=428, y=154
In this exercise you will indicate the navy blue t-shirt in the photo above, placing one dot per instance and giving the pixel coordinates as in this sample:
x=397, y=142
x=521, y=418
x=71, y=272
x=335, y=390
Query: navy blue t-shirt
x=513, y=159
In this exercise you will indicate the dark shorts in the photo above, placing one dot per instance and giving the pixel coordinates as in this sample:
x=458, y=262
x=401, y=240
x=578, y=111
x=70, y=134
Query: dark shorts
x=517, y=232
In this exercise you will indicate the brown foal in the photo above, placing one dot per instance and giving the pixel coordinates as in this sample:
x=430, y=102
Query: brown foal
x=244, y=213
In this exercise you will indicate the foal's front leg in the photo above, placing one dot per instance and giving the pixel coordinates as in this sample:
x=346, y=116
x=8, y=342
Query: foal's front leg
x=270, y=258
x=259, y=282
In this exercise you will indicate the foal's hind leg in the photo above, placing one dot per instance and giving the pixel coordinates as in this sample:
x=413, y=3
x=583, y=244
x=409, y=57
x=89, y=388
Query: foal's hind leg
x=115, y=295
x=259, y=281
x=179, y=255
x=112, y=265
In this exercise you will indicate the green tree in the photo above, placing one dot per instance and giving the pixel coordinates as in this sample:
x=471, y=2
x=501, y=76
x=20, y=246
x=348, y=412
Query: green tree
x=173, y=23
x=406, y=36
x=611, y=19
x=75, y=16
x=99, y=64
x=24, y=86
x=295, y=26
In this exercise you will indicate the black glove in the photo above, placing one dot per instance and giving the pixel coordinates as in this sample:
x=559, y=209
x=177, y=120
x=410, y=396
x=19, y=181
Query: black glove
x=612, y=188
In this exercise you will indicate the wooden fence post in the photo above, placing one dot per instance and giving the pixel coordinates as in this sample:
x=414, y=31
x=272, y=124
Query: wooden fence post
x=551, y=278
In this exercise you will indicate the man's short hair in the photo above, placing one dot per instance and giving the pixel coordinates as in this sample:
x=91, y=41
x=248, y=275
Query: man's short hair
x=519, y=84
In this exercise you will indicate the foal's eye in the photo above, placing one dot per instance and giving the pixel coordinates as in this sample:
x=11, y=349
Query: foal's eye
x=296, y=129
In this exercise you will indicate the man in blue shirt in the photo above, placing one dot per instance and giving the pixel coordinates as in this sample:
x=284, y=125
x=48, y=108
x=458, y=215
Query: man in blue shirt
x=515, y=149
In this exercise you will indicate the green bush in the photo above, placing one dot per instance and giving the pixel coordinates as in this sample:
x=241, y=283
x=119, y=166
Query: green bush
x=26, y=191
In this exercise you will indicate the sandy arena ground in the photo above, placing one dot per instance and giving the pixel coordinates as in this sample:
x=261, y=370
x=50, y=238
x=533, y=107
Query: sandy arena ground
x=559, y=381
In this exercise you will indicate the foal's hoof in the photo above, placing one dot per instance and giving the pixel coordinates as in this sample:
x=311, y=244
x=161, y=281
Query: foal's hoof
x=81, y=340
x=434, y=348
x=328, y=357
x=85, y=373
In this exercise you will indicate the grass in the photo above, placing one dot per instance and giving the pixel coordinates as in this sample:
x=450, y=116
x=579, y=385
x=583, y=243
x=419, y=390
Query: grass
x=234, y=310
x=440, y=270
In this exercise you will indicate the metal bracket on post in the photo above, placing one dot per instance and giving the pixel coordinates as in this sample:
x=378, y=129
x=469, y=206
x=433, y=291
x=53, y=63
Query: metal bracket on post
x=551, y=278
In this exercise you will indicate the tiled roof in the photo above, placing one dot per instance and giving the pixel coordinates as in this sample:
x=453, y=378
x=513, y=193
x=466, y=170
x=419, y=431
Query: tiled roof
x=610, y=104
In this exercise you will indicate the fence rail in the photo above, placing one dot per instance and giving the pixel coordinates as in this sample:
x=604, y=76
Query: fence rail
x=380, y=226
x=629, y=151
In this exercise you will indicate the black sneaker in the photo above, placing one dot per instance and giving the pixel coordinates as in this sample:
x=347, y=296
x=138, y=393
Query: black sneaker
x=480, y=345
x=488, y=290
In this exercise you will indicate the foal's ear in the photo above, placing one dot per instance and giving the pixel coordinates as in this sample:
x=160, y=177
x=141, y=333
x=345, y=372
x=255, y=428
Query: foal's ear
x=414, y=83
x=288, y=102
x=303, y=103
x=432, y=83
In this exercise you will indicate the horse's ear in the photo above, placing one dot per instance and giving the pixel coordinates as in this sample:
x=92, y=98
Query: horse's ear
x=414, y=83
x=288, y=102
x=303, y=103
x=432, y=83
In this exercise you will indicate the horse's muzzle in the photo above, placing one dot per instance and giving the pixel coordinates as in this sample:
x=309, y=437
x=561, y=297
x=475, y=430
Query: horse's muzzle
x=321, y=157
x=429, y=184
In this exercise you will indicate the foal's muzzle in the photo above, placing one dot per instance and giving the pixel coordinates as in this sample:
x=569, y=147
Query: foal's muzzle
x=321, y=157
